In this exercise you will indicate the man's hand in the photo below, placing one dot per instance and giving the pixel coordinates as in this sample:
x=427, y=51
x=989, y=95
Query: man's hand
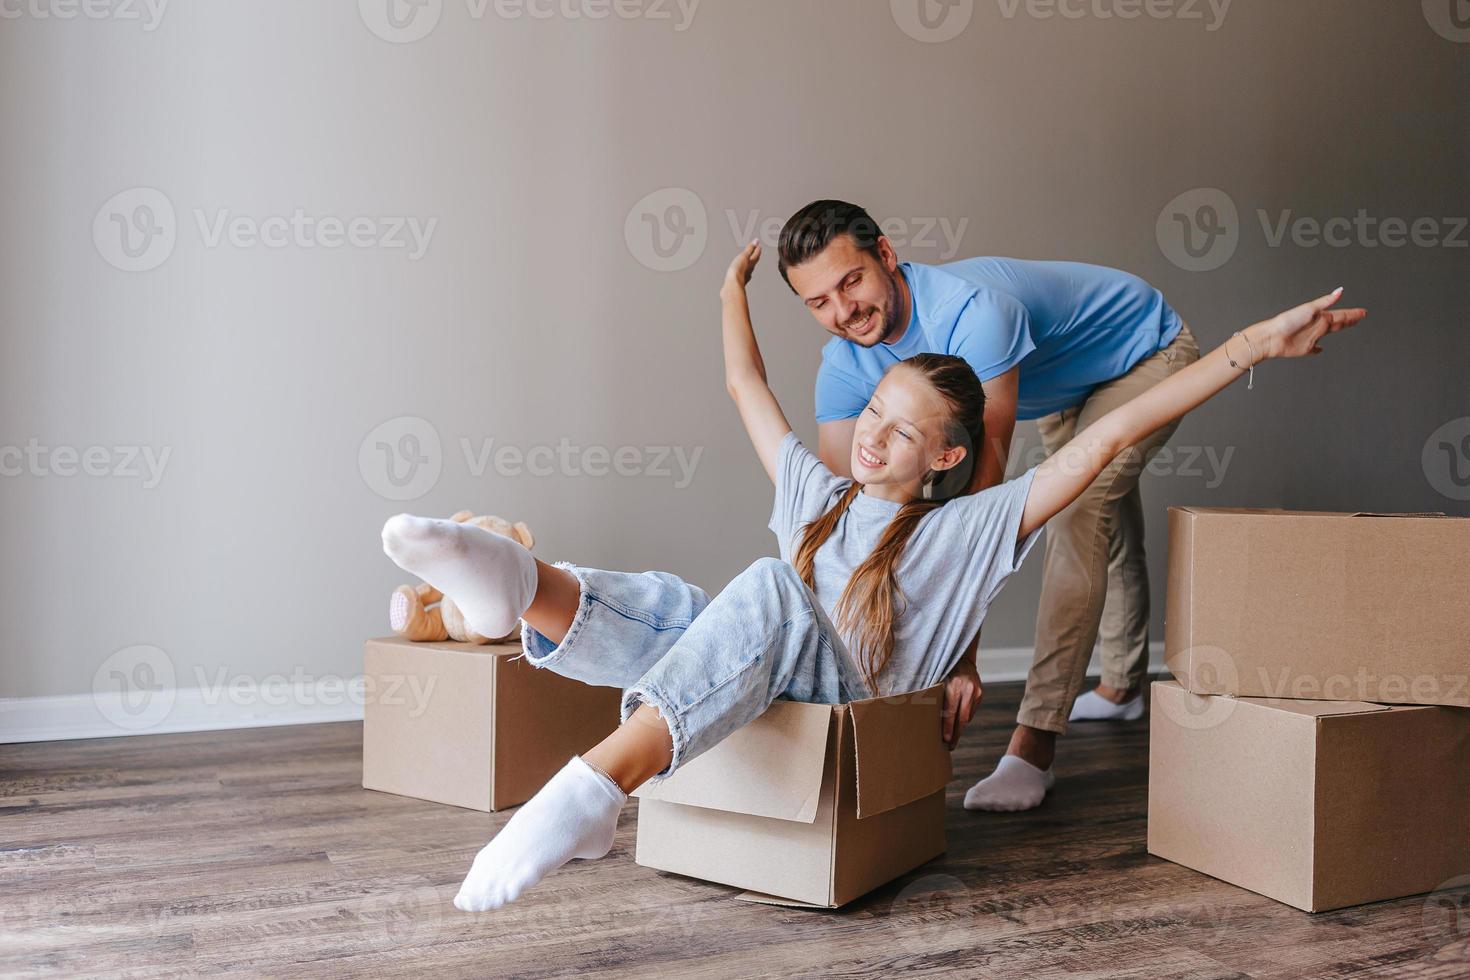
x=962, y=694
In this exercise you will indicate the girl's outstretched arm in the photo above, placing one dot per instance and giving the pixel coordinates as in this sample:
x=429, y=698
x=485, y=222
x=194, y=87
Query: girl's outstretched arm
x=1295, y=333
x=745, y=372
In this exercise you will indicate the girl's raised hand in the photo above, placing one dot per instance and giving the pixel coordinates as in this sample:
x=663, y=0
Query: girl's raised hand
x=1296, y=332
x=744, y=264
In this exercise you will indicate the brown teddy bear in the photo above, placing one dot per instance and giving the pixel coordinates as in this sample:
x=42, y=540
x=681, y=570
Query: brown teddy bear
x=423, y=614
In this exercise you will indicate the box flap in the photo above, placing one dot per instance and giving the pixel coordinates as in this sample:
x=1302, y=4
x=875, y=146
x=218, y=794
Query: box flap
x=765, y=899
x=1317, y=709
x=1283, y=512
x=901, y=756
x=770, y=768
x=1256, y=512
x=1313, y=709
x=509, y=649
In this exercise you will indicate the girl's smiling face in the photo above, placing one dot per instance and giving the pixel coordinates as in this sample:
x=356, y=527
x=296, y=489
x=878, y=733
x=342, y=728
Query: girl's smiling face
x=901, y=435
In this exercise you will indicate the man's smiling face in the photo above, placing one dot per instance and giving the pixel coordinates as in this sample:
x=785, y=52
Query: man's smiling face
x=852, y=293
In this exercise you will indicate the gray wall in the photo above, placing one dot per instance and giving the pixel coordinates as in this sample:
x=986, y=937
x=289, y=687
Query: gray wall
x=538, y=314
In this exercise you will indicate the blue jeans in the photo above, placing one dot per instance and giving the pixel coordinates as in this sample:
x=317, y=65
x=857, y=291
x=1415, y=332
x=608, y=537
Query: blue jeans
x=708, y=665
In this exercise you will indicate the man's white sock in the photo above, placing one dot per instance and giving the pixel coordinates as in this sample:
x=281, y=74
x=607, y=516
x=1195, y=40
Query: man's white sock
x=491, y=578
x=1015, y=785
x=573, y=816
x=1092, y=706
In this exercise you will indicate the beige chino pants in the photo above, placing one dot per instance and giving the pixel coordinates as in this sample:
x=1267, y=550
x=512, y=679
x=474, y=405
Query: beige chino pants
x=1094, y=573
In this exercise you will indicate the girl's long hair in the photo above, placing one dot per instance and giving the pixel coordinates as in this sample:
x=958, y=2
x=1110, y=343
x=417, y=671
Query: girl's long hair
x=872, y=602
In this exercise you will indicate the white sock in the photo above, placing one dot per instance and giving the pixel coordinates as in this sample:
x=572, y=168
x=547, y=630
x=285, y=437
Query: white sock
x=491, y=578
x=1092, y=706
x=1015, y=785
x=573, y=816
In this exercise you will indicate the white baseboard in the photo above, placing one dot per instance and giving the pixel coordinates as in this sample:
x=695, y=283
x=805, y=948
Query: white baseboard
x=70, y=716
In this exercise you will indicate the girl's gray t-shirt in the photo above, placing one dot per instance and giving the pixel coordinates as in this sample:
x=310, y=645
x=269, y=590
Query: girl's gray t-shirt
x=954, y=565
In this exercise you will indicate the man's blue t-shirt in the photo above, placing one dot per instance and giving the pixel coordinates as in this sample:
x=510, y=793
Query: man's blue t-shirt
x=1069, y=326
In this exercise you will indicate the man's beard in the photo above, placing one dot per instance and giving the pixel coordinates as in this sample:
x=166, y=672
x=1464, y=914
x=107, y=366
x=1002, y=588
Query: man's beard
x=890, y=318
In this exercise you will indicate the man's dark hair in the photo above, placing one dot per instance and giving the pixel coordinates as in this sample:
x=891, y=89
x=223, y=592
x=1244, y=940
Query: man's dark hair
x=812, y=229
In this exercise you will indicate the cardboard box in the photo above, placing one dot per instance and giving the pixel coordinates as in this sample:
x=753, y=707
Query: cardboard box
x=1338, y=607
x=472, y=726
x=1318, y=804
x=808, y=805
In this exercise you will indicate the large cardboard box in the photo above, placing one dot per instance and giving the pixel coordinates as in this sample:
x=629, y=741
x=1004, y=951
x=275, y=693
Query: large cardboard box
x=1338, y=607
x=807, y=805
x=472, y=726
x=1318, y=804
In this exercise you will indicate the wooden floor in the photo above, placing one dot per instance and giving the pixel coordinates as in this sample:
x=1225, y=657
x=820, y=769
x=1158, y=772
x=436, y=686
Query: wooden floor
x=258, y=852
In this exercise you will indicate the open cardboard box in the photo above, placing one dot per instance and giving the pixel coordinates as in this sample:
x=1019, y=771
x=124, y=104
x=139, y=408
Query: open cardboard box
x=1306, y=605
x=808, y=805
x=472, y=726
x=1318, y=804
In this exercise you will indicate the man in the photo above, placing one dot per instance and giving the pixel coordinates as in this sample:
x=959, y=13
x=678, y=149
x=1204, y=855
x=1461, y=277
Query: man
x=1059, y=342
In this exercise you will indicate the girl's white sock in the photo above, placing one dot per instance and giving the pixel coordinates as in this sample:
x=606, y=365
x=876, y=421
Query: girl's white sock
x=492, y=579
x=1015, y=785
x=1092, y=706
x=573, y=816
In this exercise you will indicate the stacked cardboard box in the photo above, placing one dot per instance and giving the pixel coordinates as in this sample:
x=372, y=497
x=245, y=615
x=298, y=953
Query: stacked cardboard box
x=1316, y=745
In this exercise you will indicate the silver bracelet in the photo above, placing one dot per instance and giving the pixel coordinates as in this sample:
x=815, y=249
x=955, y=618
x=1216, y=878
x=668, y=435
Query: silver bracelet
x=1250, y=368
x=600, y=771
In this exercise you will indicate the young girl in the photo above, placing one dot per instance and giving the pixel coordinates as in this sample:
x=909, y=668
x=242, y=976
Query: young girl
x=882, y=582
